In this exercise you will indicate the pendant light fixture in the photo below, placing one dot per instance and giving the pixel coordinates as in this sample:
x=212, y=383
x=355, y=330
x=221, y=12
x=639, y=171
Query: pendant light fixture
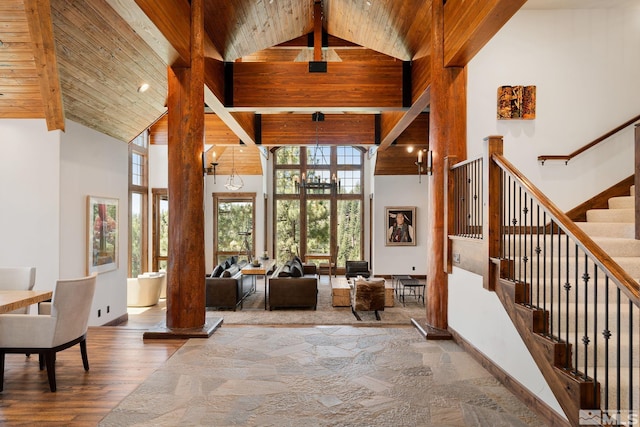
x=234, y=182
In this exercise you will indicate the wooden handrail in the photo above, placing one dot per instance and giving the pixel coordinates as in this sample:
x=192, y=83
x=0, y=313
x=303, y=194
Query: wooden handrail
x=625, y=282
x=593, y=143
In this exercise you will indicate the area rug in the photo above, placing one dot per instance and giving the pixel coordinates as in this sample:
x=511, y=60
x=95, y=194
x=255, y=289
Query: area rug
x=333, y=376
x=254, y=313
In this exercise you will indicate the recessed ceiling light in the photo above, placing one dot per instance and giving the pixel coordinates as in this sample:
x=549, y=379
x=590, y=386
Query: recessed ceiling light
x=143, y=87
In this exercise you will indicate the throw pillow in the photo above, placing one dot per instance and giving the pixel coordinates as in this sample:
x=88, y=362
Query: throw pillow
x=217, y=271
x=231, y=271
x=285, y=271
x=296, y=269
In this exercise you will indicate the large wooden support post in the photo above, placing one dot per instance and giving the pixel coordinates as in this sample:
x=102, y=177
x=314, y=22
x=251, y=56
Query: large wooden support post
x=186, y=266
x=447, y=121
x=492, y=205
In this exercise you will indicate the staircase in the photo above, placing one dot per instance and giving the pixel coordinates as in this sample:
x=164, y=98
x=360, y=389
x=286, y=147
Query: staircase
x=554, y=311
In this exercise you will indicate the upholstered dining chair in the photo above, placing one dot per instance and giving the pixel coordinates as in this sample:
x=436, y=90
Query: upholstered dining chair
x=17, y=279
x=46, y=335
x=367, y=295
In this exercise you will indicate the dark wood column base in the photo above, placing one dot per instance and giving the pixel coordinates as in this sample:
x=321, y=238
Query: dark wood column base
x=430, y=332
x=161, y=331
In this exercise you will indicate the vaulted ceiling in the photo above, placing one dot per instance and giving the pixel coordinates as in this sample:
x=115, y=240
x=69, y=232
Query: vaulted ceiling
x=85, y=61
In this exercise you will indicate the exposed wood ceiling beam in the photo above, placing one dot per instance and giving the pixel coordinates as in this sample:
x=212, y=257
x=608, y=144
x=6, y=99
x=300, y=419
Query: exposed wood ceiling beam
x=148, y=31
x=239, y=123
x=392, y=125
x=356, y=85
x=41, y=28
x=470, y=24
x=173, y=19
x=317, y=30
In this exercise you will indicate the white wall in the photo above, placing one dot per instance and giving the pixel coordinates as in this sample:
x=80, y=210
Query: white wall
x=30, y=199
x=93, y=164
x=400, y=190
x=584, y=64
x=45, y=178
x=492, y=333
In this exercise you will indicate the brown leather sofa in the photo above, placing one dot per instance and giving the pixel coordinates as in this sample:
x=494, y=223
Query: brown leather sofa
x=227, y=287
x=290, y=290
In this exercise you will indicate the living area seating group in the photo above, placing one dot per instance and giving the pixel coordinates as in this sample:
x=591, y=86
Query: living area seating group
x=294, y=284
x=291, y=285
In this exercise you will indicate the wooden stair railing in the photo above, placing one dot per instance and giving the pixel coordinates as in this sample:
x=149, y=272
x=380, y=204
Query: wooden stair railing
x=554, y=281
x=592, y=144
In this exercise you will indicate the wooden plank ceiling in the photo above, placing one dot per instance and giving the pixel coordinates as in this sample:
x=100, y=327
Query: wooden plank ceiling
x=105, y=49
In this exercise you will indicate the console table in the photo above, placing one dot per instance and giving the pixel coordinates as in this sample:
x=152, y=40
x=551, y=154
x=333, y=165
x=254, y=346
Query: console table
x=266, y=265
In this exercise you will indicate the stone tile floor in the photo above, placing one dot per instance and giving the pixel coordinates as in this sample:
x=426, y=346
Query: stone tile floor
x=320, y=376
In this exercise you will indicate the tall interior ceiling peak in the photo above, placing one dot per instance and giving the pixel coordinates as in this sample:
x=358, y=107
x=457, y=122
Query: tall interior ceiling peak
x=242, y=27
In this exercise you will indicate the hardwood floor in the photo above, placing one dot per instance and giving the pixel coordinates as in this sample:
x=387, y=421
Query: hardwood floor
x=119, y=361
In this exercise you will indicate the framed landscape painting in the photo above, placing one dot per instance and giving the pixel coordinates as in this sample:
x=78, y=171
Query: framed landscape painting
x=103, y=239
x=400, y=226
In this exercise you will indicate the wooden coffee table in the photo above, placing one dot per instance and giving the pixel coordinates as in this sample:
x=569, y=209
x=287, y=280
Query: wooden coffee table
x=341, y=293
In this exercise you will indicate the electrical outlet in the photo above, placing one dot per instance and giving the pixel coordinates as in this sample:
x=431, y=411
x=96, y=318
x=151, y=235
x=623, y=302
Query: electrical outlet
x=108, y=309
x=456, y=258
x=99, y=312
x=413, y=268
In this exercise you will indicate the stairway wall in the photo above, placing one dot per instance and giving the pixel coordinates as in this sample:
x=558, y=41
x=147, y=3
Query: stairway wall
x=479, y=317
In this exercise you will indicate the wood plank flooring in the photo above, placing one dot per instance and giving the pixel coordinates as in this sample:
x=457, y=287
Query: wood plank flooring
x=119, y=361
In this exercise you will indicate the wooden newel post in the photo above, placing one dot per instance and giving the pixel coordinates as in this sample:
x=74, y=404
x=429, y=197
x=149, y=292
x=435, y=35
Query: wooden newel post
x=492, y=182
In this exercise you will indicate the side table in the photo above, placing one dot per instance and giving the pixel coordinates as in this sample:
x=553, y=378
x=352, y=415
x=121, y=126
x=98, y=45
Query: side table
x=415, y=287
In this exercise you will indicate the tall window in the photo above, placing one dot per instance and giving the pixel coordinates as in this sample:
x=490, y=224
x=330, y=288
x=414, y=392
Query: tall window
x=318, y=201
x=138, y=161
x=160, y=229
x=233, y=225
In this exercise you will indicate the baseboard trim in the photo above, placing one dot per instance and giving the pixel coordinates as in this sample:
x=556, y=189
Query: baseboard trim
x=118, y=320
x=550, y=416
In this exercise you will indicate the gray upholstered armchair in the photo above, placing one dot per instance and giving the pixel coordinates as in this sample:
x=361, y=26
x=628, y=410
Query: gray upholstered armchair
x=17, y=279
x=357, y=268
x=48, y=334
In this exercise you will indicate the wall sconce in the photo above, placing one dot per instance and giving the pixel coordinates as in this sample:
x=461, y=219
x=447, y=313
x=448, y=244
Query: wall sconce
x=420, y=162
x=212, y=167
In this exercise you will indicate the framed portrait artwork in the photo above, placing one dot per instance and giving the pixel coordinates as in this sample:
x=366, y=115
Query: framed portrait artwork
x=400, y=226
x=102, y=234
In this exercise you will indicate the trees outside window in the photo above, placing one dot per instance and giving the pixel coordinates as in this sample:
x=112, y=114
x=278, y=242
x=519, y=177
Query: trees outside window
x=138, y=232
x=318, y=218
x=234, y=225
